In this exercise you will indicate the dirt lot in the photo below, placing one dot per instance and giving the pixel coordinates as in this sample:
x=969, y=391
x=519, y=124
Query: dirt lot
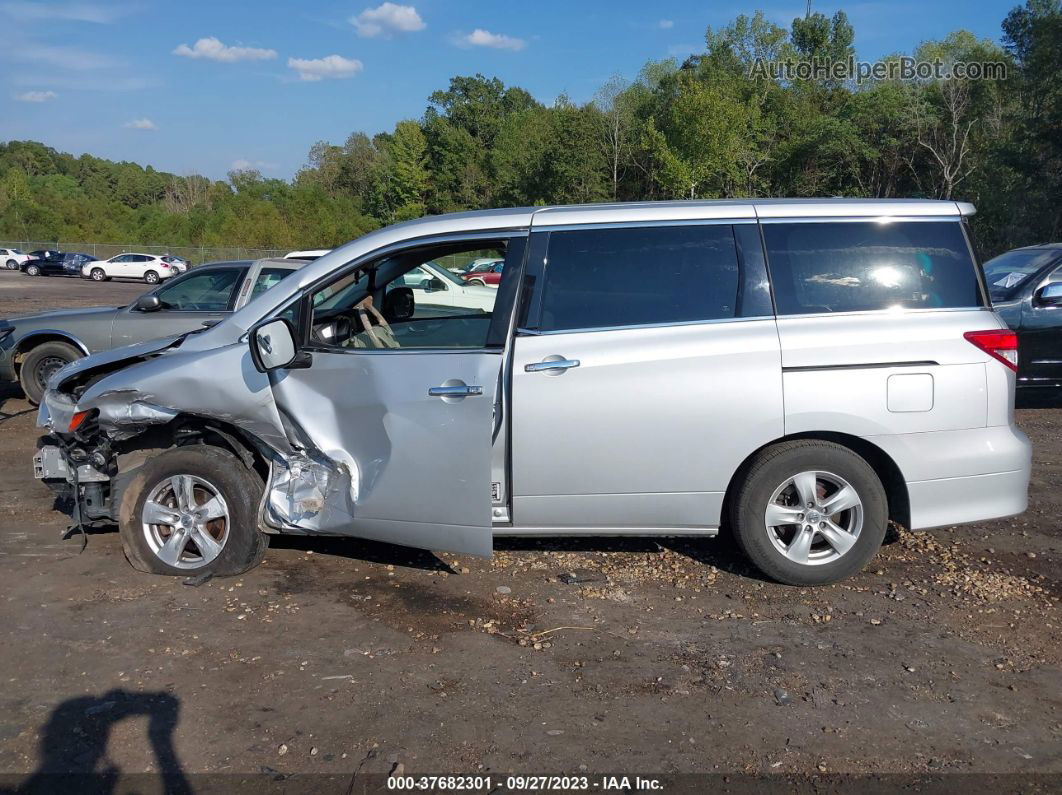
x=345, y=657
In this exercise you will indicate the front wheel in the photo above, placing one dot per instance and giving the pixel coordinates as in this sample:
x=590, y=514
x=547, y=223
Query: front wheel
x=151, y=277
x=193, y=510
x=477, y=282
x=98, y=275
x=33, y=270
x=40, y=364
x=810, y=512
x=12, y=265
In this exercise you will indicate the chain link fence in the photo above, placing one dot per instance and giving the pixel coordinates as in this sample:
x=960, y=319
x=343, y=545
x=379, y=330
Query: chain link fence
x=197, y=255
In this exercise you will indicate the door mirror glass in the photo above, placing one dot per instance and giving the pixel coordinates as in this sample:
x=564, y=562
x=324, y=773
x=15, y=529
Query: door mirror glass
x=148, y=303
x=1050, y=294
x=273, y=345
x=433, y=284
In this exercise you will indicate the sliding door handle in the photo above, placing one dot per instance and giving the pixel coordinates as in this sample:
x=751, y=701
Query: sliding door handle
x=455, y=391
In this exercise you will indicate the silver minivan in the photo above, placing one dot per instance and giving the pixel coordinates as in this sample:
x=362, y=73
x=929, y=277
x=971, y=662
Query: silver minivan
x=800, y=372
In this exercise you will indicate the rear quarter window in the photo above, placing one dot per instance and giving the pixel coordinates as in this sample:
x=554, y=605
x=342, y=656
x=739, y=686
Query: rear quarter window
x=867, y=266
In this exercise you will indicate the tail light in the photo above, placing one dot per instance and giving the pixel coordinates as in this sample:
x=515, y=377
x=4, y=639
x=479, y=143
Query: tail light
x=1001, y=344
x=164, y=264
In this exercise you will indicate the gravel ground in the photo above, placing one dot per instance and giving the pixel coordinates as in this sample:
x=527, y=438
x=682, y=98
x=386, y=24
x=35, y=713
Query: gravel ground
x=567, y=656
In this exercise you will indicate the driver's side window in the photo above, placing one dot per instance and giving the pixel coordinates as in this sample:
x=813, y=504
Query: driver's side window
x=412, y=299
x=207, y=291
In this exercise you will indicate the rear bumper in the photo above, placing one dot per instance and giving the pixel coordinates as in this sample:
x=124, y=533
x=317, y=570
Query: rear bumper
x=955, y=477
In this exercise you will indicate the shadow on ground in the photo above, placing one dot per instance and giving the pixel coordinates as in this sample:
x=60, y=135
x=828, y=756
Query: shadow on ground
x=73, y=745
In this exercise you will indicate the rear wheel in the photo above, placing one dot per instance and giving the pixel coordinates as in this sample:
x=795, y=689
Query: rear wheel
x=151, y=277
x=12, y=265
x=33, y=270
x=193, y=510
x=98, y=275
x=40, y=364
x=810, y=512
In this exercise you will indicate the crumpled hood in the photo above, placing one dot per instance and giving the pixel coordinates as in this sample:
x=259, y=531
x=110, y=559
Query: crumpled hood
x=105, y=358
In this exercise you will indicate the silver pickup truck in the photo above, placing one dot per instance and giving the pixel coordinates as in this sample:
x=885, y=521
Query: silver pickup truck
x=33, y=347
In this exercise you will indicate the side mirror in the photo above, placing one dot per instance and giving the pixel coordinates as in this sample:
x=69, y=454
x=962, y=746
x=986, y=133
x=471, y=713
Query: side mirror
x=1049, y=295
x=148, y=303
x=273, y=347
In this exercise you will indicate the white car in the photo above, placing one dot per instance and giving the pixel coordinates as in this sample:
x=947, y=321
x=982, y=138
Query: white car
x=439, y=287
x=147, y=267
x=309, y=254
x=177, y=264
x=432, y=285
x=12, y=258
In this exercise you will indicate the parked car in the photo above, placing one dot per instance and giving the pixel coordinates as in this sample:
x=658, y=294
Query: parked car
x=33, y=347
x=487, y=275
x=435, y=285
x=480, y=263
x=67, y=263
x=150, y=268
x=177, y=264
x=798, y=369
x=309, y=254
x=1026, y=289
x=12, y=258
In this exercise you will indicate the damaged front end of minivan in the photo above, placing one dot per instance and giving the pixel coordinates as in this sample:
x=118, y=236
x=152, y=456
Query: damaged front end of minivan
x=110, y=414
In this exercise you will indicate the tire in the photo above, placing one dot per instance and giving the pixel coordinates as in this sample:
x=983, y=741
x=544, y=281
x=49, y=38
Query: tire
x=151, y=277
x=211, y=471
x=33, y=270
x=98, y=275
x=40, y=363
x=841, y=543
x=12, y=265
x=477, y=282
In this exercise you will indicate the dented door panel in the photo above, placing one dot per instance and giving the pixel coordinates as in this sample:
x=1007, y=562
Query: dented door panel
x=379, y=457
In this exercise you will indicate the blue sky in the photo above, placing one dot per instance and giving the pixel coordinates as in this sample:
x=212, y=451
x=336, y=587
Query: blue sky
x=198, y=86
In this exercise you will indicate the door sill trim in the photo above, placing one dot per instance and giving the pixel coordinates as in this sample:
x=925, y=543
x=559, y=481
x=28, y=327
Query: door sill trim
x=593, y=530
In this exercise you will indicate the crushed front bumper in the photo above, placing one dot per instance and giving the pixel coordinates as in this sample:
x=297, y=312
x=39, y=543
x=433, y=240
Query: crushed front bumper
x=49, y=463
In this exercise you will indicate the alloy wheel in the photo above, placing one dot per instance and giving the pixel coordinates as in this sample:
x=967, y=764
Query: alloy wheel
x=814, y=518
x=185, y=521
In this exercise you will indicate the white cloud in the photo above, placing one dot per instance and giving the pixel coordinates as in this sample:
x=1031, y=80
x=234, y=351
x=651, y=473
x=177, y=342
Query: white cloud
x=72, y=12
x=212, y=49
x=331, y=66
x=484, y=38
x=36, y=96
x=247, y=165
x=666, y=24
x=387, y=19
x=141, y=124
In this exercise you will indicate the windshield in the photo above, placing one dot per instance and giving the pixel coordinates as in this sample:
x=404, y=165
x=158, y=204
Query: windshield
x=1007, y=272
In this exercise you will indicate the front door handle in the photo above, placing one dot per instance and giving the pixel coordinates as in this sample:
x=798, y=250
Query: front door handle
x=548, y=365
x=455, y=391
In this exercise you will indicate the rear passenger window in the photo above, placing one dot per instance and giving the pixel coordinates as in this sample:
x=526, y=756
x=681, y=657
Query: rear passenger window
x=606, y=278
x=865, y=266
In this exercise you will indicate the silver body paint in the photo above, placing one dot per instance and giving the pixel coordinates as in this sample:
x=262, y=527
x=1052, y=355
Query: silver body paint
x=645, y=436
